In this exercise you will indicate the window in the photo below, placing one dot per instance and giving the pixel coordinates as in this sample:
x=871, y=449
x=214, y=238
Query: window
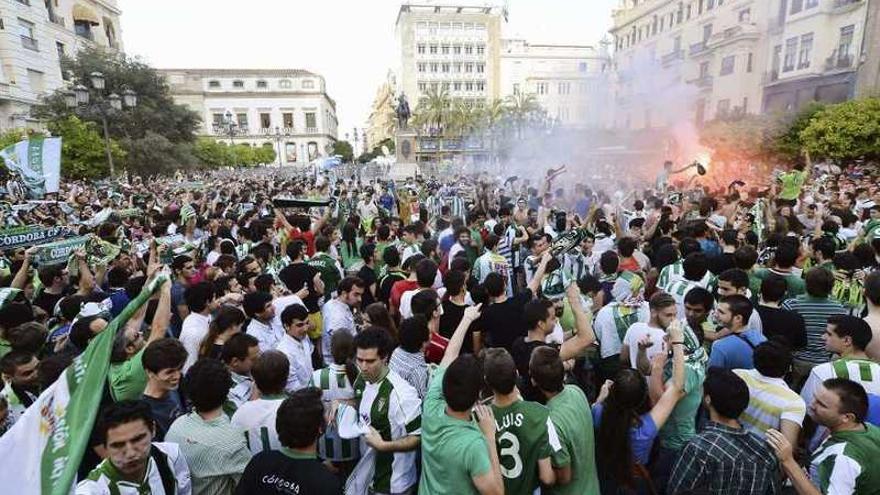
x=444, y=68
x=262, y=84
x=456, y=50
x=582, y=67
x=749, y=62
x=26, y=30
x=434, y=66
x=457, y=68
x=35, y=79
x=790, y=54
x=287, y=118
x=481, y=50
x=707, y=32
x=456, y=86
x=285, y=84
x=423, y=87
x=745, y=15
x=265, y=121
x=444, y=49
x=445, y=86
x=516, y=89
x=421, y=49
x=469, y=49
x=564, y=88
x=481, y=68
x=83, y=29
x=308, y=84
x=844, y=59
x=469, y=68
x=434, y=86
x=806, y=51
x=311, y=120
x=217, y=118
x=214, y=84
x=811, y=3
x=704, y=69
x=110, y=32
x=481, y=86
x=238, y=84
x=796, y=6
x=422, y=67
x=727, y=64
x=242, y=121
x=542, y=88
x=433, y=50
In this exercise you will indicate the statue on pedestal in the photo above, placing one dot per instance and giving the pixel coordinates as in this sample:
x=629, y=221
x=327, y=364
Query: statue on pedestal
x=403, y=112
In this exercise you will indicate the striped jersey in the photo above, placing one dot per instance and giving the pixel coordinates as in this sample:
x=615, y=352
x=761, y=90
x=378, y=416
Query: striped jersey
x=815, y=312
x=678, y=290
x=612, y=322
x=846, y=462
x=334, y=385
x=524, y=435
x=392, y=407
x=491, y=262
x=770, y=401
x=105, y=478
x=862, y=371
x=257, y=419
x=675, y=272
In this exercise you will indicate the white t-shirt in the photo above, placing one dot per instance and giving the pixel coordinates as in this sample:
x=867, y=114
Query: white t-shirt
x=192, y=333
x=636, y=332
x=406, y=301
x=280, y=304
x=257, y=419
x=607, y=333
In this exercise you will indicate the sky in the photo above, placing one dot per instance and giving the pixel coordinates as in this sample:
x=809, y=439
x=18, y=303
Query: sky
x=349, y=42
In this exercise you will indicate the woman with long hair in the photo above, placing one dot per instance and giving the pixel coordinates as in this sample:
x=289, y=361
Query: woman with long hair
x=377, y=314
x=627, y=423
x=226, y=323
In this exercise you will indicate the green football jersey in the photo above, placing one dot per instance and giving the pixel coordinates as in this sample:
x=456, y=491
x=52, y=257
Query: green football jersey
x=523, y=435
x=330, y=274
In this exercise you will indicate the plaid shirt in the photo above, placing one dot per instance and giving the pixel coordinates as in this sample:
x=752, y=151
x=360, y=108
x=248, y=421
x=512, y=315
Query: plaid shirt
x=724, y=461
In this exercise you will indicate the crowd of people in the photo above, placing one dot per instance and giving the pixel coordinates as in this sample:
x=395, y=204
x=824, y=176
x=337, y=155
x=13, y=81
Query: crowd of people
x=436, y=335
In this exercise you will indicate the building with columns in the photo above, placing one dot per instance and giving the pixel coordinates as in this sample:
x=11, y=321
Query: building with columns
x=287, y=109
x=34, y=36
x=569, y=81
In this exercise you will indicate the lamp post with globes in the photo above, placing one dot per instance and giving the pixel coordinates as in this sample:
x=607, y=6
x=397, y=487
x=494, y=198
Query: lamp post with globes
x=280, y=135
x=95, y=103
x=230, y=126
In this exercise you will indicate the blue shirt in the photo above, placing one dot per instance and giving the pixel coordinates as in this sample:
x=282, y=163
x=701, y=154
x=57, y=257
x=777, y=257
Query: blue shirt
x=641, y=436
x=734, y=352
x=119, y=299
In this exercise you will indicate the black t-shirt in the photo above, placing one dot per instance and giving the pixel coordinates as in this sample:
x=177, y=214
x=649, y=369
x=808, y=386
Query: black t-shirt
x=276, y=472
x=387, y=283
x=723, y=261
x=47, y=301
x=521, y=351
x=164, y=411
x=503, y=322
x=452, y=315
x=368, y=275
x=781, y=322
x=294, y=276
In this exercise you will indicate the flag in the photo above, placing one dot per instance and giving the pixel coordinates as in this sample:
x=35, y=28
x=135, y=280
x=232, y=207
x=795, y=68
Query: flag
x=42, y=451
x=29, y=235
x=38, y=163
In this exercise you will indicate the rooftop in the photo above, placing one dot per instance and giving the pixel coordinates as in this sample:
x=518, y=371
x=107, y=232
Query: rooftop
x=245, y=72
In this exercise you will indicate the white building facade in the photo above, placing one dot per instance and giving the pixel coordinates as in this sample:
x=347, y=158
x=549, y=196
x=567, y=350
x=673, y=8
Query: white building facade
x=35, y=35
x=451, y=47
x=568, y=81
x=288, y=110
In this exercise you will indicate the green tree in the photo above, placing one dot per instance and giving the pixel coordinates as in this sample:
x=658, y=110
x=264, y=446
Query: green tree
x=789, y=145
x=212, y=154
x=845, y=132
x=155, y=154
x=11, y=137
x=343, y=149
x=83, y=150
x=432, y=112
x=264, y=155
x=524, y=110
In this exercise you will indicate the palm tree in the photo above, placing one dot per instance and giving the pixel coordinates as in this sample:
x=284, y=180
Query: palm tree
x=523, y=108
x=433, y=110
x=465, y=118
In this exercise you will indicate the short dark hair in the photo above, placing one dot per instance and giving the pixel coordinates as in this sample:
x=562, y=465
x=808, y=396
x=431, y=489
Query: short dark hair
x=626, y=246
x=424, y=302
x=853, y=397
x=454, y=281
x=208, y=383
x=701, y=296
x=117, y=276
x=689, y=245
x=197, y=296
x=119, y=413
x=29, y=337
x=661, y=300
x=49, y=273
x=255, y=302
x=728, y=393
x=695, y=266
x=238, y=347
x=609, y=262
x=819, y=282
x=163, y=354
x=773, y=358
x=499, y=370
x=855, y=328
x=745, y=257
x=294, y=312
x=826, y=246
x=773, y=288
x=14, y=359
x=413, y=333
x=300, y=418
x=426, y=273
x=348, y=283
x=322, y=244
x=270, y=372
x=295, y=249
x=546, y=369
x=494, y=284
x=738, y=278
x=391, y=256
x=786, y=255
x=179, y=261
x=264, y=282
x=367, y=251
x=462, y=383
x=374, y=338
x=739, y=306
x=536, y=311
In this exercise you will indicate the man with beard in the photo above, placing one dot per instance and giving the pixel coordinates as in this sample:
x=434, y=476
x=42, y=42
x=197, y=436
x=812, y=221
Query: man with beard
x=19, y=371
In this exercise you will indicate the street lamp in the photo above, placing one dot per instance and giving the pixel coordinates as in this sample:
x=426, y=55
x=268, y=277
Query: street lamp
x=279, y=134
x=230, y=126
x=94, y=104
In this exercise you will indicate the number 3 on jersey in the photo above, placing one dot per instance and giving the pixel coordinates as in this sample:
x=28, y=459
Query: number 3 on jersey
x=511, y=451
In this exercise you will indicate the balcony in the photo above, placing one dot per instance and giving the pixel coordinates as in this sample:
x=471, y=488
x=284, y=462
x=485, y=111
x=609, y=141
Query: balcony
x=843, y=6
x=735, y=33
x=703, y=82
x=698, y=48
x=30, y=43
x=674, y=56
x=312, y=130
x=838, y=62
